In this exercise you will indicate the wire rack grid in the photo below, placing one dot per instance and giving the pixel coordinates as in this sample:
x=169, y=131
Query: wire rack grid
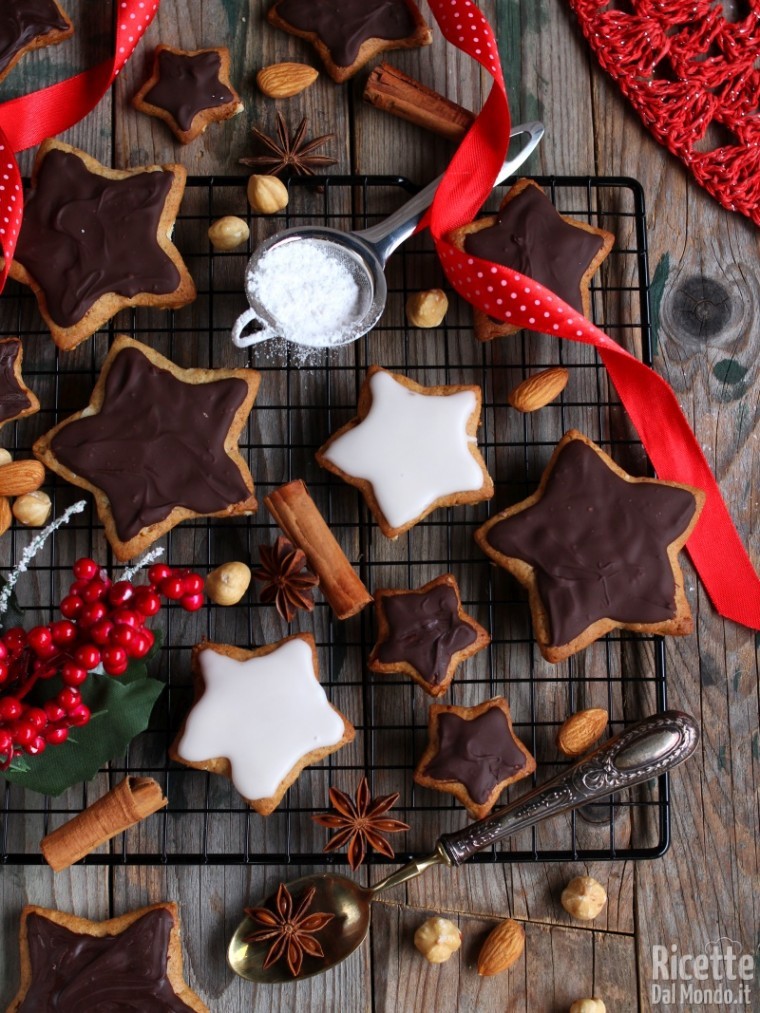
x=301, y=401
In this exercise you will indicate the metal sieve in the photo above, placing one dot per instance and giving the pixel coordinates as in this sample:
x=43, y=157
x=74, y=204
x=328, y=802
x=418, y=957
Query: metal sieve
x=363, y=254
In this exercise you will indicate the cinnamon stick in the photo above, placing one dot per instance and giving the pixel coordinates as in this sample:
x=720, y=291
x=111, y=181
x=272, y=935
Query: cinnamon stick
x=389, y=89
x=131, y=801
x=297, y=515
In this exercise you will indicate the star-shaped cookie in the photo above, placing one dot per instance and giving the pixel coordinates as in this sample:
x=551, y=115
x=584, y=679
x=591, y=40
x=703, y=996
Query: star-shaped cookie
x=131, y=963
x=96, y=240
x=410, y=450
x=189, y=90
x=529, y=236
x=425, y=634
x=16, y=400
x=26, y=25
x=259, y=717
x=473, y=753
x=596, y=549
x=348, y=33
x=156, y=445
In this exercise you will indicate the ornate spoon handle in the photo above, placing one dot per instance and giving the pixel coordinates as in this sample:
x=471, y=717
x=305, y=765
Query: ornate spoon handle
x=638, y=754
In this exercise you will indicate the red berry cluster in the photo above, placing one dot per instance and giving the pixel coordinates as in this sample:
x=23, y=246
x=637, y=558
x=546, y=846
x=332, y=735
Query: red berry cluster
x=103, y=623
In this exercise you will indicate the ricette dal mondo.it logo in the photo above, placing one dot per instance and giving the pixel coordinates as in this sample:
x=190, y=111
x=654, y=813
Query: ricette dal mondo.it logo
x=719, y=978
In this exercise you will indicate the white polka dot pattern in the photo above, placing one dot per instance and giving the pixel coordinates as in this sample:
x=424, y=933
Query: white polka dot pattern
x=28, y=120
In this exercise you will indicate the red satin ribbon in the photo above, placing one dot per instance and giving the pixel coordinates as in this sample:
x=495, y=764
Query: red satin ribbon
x=28, y=120
x=715, y=548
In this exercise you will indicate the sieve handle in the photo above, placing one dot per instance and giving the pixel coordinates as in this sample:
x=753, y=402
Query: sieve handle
x=245, y=341
x=387, y=235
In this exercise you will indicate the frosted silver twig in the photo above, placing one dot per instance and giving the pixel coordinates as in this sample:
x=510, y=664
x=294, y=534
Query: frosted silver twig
x=33, y=548
x=148, y=558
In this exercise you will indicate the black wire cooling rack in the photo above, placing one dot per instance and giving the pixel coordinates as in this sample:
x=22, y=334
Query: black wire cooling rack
x=300, y=403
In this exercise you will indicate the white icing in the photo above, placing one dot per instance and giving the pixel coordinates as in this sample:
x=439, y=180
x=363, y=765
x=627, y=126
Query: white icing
x=263, y=715
x=413, y=448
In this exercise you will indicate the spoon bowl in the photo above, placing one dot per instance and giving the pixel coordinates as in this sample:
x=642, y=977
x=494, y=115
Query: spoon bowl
x=342, y=897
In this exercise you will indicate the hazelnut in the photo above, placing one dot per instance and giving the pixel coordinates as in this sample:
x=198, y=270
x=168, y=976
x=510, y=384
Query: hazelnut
x=32, y=509
x=5, y=456
x=426, y=309
x=227, y=584
x=588, y=1006
x=437, y=939
x=228, y=232
x=267, y=194
x=584, y=898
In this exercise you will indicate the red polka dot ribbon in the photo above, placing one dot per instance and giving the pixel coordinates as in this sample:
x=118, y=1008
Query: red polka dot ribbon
x=28, y=120
x=715, y=547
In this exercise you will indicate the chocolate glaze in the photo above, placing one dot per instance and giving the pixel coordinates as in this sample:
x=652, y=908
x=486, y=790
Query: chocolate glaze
x=13, y=397
x=478, y=753
x=73, y=972
x=530, y=237
x=156, y=443
x=598, y=544
x=84, y=236
x=22, y=21
x=343, y=25
x=187, y=85
x=425, y=630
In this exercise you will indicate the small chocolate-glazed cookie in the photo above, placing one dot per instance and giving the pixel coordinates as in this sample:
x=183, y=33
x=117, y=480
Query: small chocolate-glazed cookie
x=26, y=25
x=189, y=90
x=529, y=236
x=473, y=754
x=425, y=634
x=348, y=33
x=16, y=400
x=596, y=549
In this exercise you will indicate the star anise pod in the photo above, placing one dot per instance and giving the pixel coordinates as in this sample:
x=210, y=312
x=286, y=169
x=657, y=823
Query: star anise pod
x=287, y=581
x=291, y=932
x=290, y=152
x=360, y=823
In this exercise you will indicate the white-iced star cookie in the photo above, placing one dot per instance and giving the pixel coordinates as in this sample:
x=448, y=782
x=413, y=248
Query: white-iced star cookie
x=410, y=450
x=259, y=717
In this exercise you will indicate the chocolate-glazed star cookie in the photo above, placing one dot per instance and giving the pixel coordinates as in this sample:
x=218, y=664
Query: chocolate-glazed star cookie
x=349, y=33
x=26, y=25
x=473, y=753
x=596, y=549
x=425, y=634
x=95, y=240
x=156, y=445
x=16, y=400
x=189, y=90
x=529, y=236
x=131, y=963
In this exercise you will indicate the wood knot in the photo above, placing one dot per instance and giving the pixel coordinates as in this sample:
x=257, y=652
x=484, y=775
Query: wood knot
x=701, y=307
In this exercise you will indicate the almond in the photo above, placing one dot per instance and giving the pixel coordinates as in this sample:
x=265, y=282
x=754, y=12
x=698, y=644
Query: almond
x=6, y=517
x=581, y=730
x=20, y=477
x=283, y=80
x=538, y=390
x=502, y=948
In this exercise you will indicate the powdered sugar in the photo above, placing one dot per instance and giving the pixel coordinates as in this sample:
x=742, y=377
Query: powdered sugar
x=310, y=289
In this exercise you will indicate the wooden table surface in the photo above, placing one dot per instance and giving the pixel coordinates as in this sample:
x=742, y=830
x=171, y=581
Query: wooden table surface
x=706, y=297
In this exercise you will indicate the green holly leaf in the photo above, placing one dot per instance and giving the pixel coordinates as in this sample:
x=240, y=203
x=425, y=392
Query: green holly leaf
x=121, y=708
x=13, y=615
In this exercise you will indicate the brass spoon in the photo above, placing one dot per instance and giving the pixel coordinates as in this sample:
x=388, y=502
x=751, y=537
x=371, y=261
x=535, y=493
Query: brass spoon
x=644, y=751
